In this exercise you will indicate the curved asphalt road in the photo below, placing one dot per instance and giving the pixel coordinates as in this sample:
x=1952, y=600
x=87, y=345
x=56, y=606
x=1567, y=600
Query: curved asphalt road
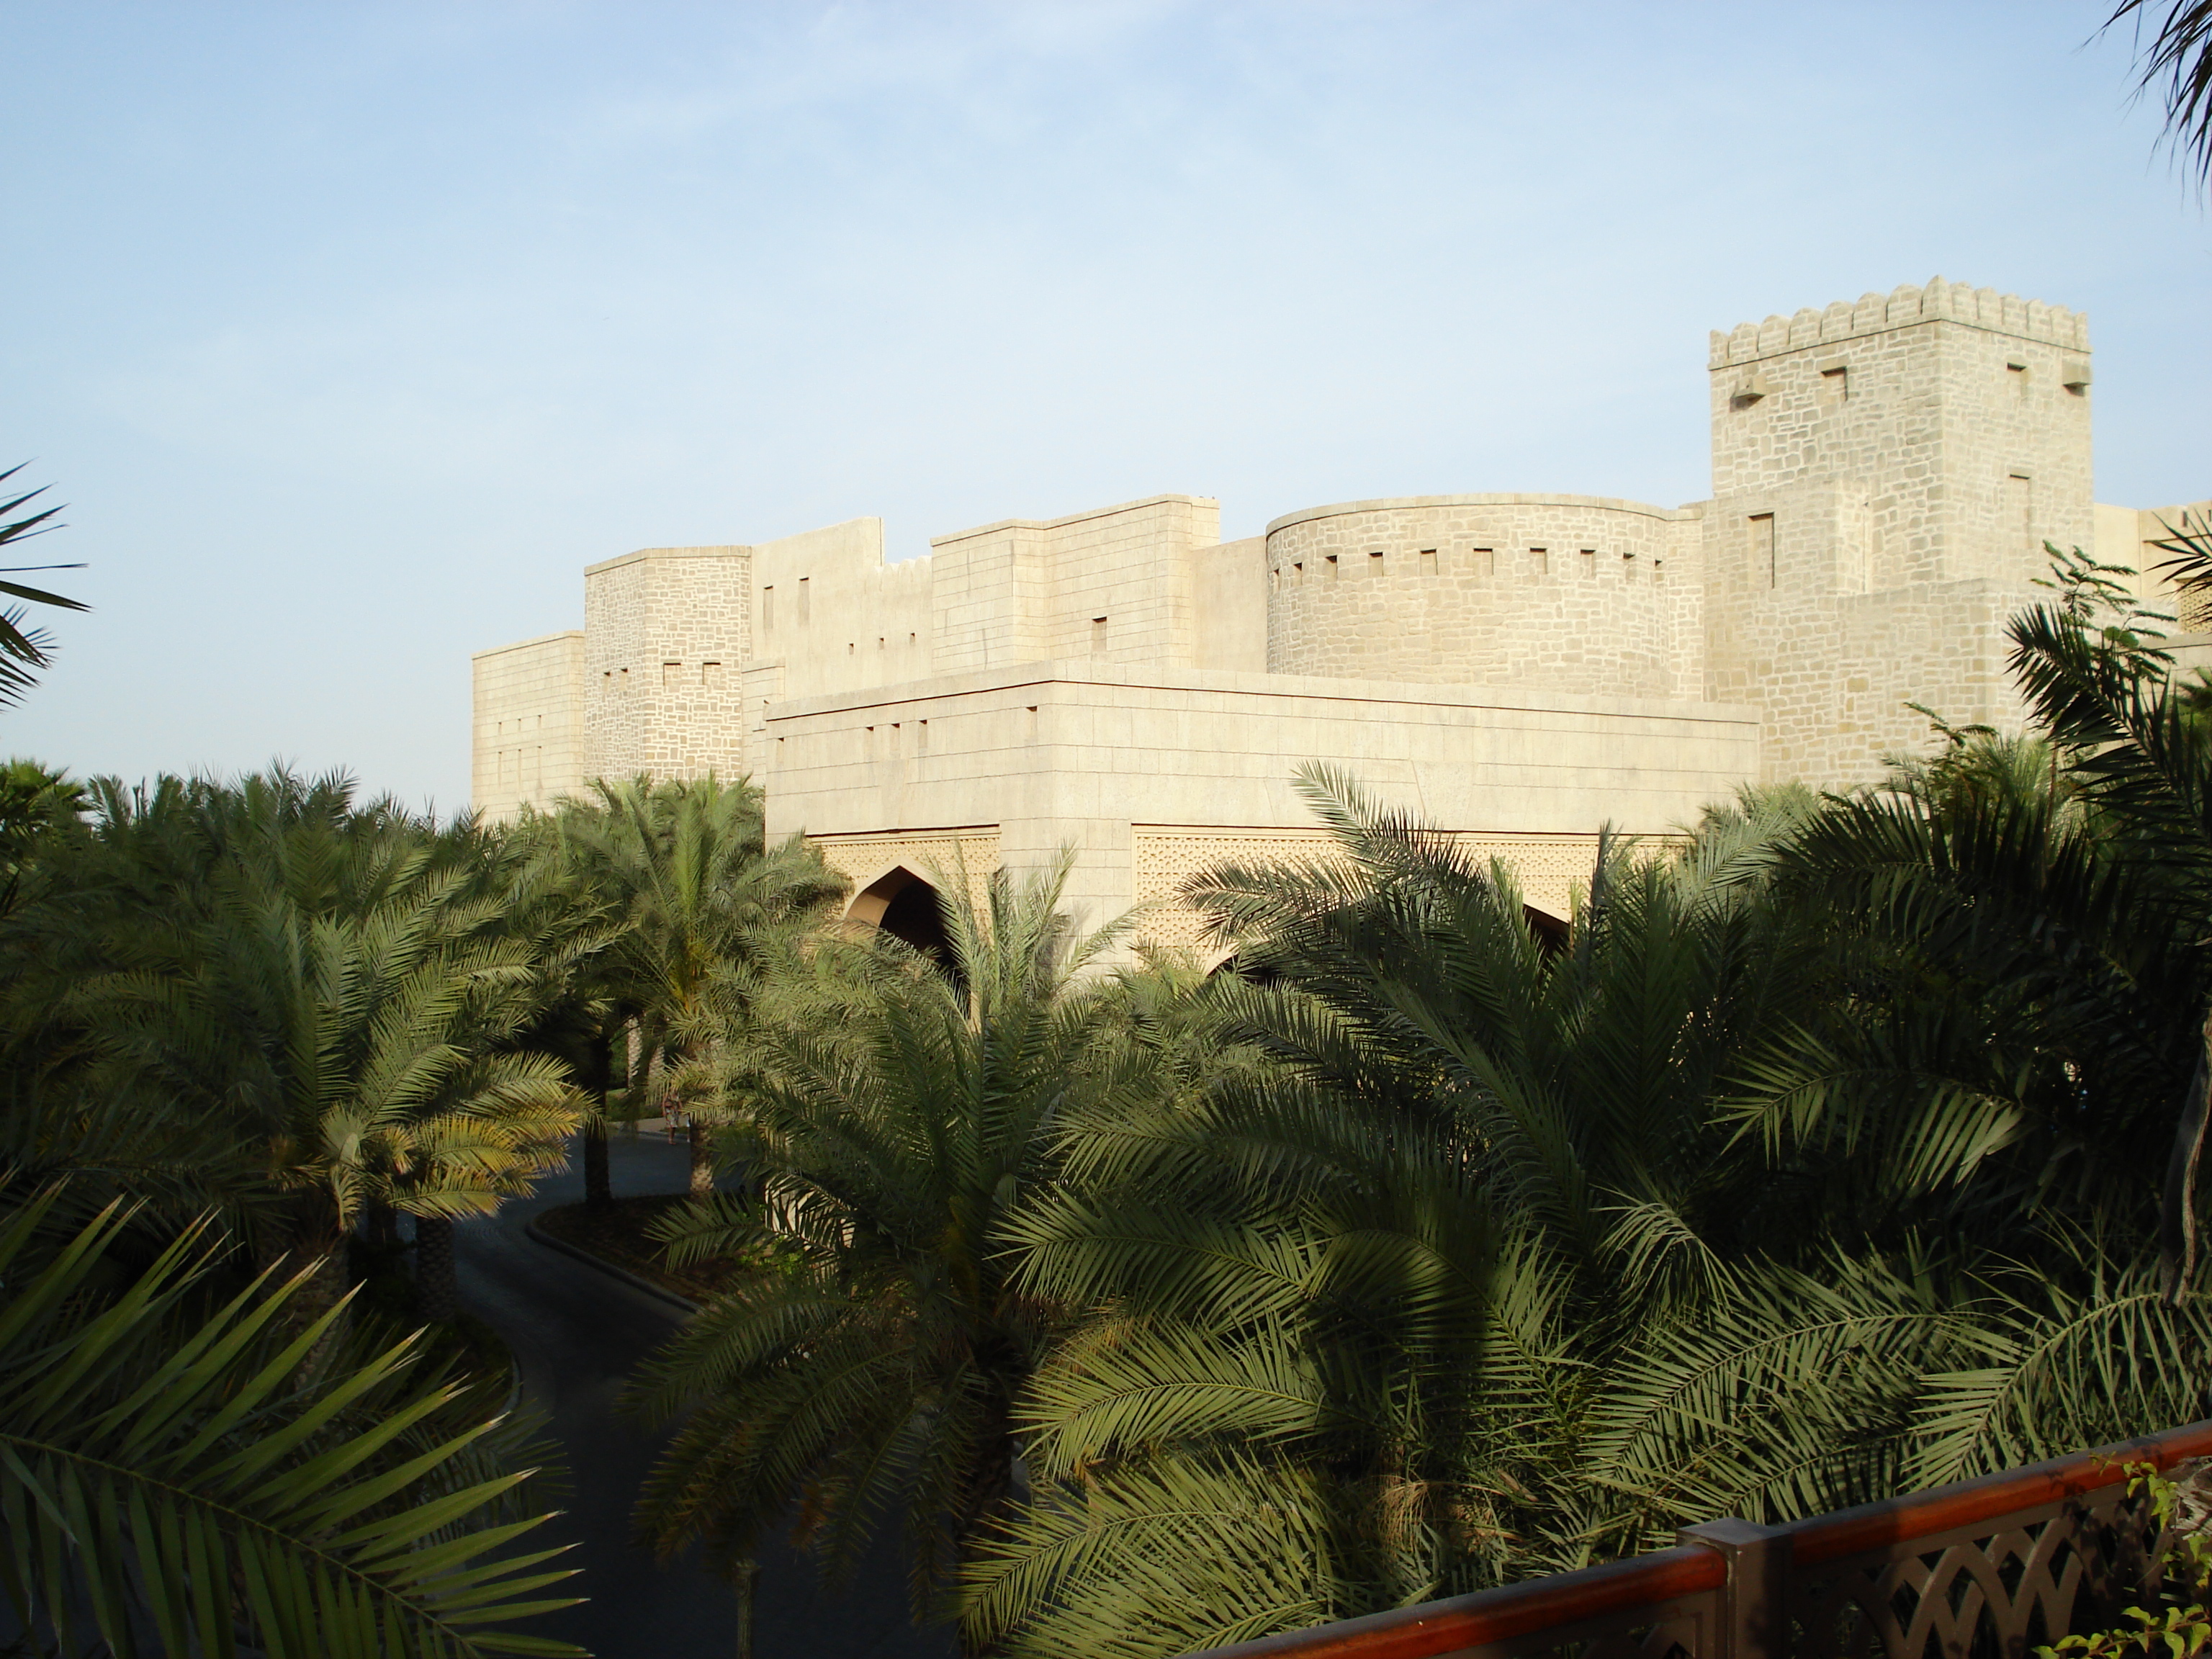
x=576, y=1332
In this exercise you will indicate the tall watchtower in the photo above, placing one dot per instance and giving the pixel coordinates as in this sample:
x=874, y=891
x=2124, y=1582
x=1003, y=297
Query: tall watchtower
x=1885, y=474
x=666, y=632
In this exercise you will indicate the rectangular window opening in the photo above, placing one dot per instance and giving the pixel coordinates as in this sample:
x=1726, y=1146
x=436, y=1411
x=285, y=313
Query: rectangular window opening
x=1763, y=571
x=1428, y=562
x=1628, y=567
x=1589, y=562
x=1331, y=572
x=921, y=737
x=1658, y=566
x=805, y=590
x=1297, y=570
x=710, y=675
x=2019, y=512
x=1486, y=562
x=1540, y=560
x=1098, y=634
x=1835, y=385
x=1375, y=562
x=767, y=609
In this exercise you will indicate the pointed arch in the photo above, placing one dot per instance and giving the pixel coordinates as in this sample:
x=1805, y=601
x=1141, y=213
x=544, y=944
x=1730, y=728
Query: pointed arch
x=905, y=904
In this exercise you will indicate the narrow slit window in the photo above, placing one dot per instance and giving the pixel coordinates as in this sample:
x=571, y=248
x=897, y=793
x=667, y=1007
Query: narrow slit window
x=670, y=674
x=1098, y=634
x=1486, y=562
x=1658, y=568
x=710, y=675
x=768, y=609
x=1628, y=567
x=805, y=591
x=1540, y=560
x=921, y=737
x=1763, y=571
x=2020, y=511
x=2016, y=375
x=1428, y=562
x=1835, y=385
x=1029, y=724
x=1375, y=562
x=1332, y=567
x=1589, y=562
x=1297, y=570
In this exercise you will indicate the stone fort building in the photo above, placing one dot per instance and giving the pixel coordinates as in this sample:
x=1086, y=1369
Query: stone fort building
x=1519, y=668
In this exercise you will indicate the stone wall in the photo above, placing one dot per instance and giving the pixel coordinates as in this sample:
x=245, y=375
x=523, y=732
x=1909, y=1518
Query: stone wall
x=527, y=724
x=1115, y=584
x=1076, y=756
x=666, y=632
x=833, y=617
x=1563, y=592
x=1885, y=476
x=1229, y=605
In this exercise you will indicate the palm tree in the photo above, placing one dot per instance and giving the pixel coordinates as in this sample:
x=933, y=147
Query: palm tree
x=335, y=986
x=694, y=898
x=24, y=651
x=901, y=1115
x=2179, y=54
x=167, y=1475
x=1515, y=1256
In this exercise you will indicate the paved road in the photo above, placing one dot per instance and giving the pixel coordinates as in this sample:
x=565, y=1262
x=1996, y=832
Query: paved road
x=576, y=1333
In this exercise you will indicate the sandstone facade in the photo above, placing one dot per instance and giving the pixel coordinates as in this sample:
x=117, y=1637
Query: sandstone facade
x=1519, y=668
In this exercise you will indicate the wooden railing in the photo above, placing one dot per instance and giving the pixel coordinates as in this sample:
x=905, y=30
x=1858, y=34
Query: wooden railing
x=1990, y=1568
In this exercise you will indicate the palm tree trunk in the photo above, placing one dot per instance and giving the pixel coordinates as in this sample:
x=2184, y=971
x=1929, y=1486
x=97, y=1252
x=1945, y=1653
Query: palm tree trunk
x=380, y=1224
x=702, y=1161
x=743, y=1576
x=2177, y=1228
x=599, y=1182
x=437, y=1291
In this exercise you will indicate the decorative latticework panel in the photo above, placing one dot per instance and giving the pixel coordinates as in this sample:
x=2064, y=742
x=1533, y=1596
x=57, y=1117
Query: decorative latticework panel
x=863, y=858
x=1960, y=1596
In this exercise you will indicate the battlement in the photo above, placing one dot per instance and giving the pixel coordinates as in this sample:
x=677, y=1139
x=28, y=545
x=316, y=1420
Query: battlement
x=1903, y=307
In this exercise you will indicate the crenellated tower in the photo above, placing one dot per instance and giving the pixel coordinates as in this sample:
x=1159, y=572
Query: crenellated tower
x=1885, y=476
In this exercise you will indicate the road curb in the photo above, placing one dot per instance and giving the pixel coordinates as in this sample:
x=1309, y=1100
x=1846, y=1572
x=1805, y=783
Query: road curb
x=659, y=1293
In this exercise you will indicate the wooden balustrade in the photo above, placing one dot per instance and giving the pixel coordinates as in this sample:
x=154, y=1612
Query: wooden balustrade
x=1990, y=1568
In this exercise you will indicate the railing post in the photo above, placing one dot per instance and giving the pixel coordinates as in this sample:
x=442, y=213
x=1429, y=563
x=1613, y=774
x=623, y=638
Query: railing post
x=1754, y=1622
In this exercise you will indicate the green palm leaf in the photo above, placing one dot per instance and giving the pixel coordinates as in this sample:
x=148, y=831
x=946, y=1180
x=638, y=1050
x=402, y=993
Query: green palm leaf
x=164, y=1472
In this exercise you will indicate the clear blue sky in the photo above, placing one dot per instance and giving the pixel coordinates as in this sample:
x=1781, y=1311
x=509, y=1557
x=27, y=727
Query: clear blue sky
x=351, y=332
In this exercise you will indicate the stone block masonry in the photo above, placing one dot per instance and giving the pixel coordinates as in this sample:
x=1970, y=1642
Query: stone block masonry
x=1516, y=668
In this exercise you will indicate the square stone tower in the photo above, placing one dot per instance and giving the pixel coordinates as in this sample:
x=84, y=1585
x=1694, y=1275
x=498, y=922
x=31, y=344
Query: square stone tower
x=666, y=633
x=1885, y=474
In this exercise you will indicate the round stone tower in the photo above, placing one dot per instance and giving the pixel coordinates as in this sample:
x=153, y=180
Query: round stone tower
x=1576, y=593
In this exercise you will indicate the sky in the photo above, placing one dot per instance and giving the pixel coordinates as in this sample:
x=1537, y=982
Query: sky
x=349, y=333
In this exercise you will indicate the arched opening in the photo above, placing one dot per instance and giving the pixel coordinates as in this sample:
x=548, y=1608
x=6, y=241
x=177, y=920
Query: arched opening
x=916, y=916
x=1551, y=931
x=905, y=905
